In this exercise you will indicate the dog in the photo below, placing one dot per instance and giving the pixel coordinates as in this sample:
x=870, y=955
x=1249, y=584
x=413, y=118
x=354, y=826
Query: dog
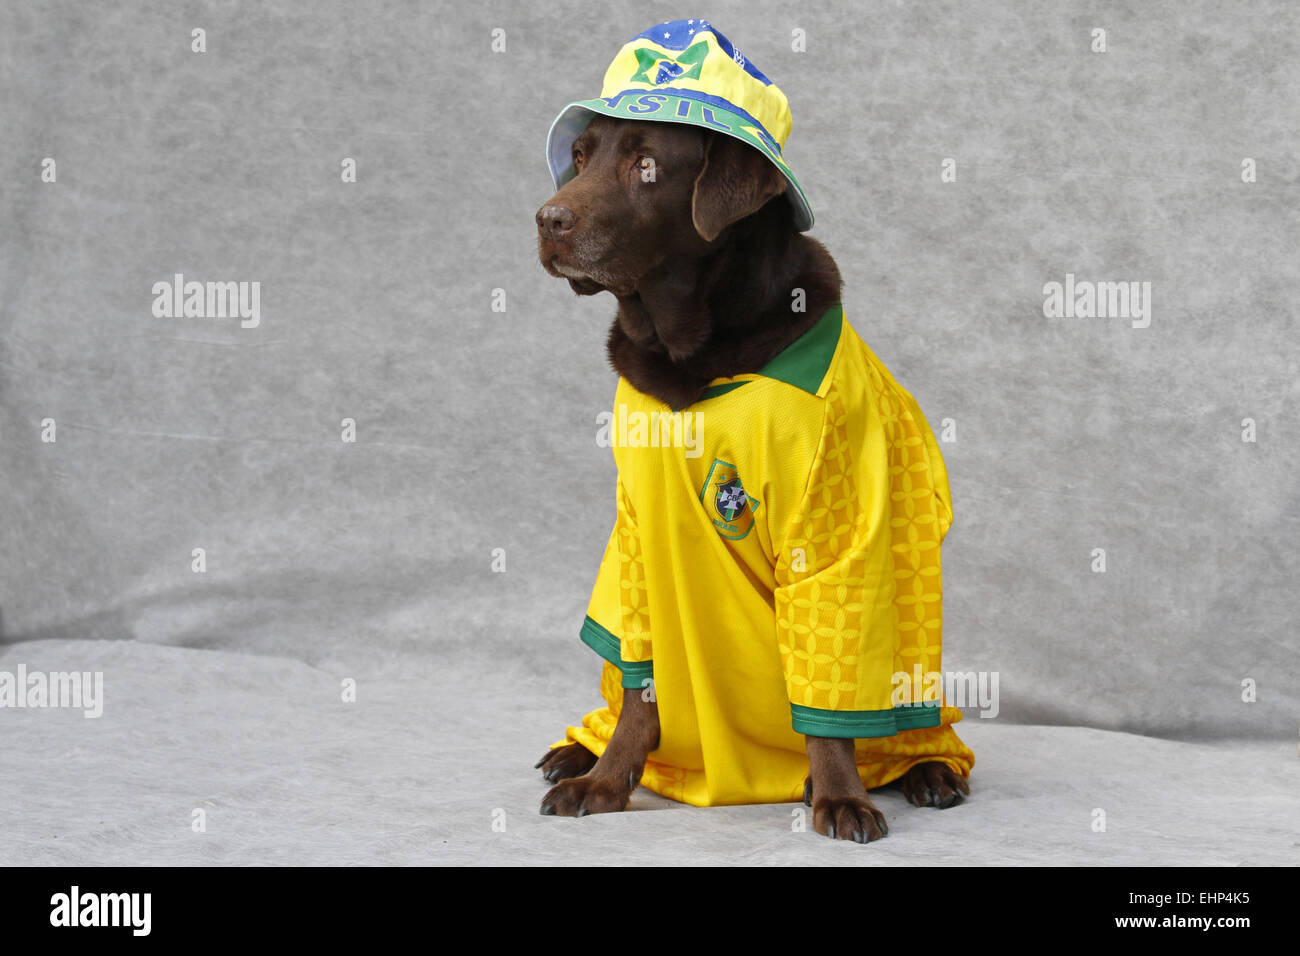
x=696, y=232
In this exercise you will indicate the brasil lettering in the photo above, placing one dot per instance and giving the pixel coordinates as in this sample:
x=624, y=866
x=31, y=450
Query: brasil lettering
x=634, y=104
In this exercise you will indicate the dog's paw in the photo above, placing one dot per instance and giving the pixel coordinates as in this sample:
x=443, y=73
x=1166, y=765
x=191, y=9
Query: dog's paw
x=561, y=763
x=847, y=818
x=583, y=795
x=933, y=784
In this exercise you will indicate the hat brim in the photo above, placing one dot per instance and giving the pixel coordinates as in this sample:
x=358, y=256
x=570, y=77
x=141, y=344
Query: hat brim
x=664, y=106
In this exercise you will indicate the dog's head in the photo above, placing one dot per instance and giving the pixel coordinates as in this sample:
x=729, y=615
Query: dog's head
x=645, y=192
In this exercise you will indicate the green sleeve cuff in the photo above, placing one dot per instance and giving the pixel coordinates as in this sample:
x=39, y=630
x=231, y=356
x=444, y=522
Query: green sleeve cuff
x=636, y=674
x=859, y=724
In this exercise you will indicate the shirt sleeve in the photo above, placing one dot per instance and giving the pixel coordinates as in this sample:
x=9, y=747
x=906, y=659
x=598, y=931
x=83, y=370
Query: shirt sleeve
x=858, y=599
x=618, y=619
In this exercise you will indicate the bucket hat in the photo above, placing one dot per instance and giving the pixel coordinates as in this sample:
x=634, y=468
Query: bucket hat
x=685, y=71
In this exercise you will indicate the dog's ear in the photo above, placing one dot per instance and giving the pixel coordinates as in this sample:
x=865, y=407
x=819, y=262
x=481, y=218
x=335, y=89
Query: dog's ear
x=736, y=181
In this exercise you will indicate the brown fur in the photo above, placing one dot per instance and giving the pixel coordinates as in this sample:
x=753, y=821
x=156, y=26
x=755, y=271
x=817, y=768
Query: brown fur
x=689, y=309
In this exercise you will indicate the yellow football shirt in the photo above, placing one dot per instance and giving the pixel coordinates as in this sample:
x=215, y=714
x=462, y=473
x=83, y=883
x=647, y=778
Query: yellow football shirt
x=773, y=566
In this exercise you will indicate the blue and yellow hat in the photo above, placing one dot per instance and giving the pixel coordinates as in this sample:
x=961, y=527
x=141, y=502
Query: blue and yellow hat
x=685, y=71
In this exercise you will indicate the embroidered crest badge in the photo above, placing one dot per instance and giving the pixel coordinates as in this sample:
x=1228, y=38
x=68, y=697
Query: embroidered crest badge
x=730, y=507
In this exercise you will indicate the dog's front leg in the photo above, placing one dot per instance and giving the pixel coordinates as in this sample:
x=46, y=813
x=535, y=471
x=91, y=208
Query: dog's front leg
x=606, y=787
x=841, y=807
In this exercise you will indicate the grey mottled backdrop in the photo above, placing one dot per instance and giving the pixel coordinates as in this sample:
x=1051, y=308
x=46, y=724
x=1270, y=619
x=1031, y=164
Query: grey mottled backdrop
x=476, y=428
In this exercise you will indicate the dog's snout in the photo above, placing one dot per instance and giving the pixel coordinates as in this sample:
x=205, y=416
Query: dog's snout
x=555, y=221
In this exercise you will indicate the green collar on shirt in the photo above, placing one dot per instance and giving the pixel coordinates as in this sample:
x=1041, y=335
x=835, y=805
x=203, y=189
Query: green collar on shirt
x=802, y=363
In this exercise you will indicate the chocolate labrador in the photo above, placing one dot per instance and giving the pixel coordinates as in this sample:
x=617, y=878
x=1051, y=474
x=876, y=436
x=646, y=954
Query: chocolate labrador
x=676, y=222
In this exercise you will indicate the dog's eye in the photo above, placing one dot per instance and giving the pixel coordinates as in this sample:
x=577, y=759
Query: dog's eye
x=646, y=166
x=577, y=157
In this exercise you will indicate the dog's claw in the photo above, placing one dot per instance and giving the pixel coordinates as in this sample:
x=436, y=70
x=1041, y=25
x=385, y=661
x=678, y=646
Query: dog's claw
x=934, y=784
x=580, y=796
x=560, y=763
x=849, y=818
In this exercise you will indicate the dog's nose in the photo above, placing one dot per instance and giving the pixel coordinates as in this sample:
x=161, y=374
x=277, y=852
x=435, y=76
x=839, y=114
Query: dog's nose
x=555, y=221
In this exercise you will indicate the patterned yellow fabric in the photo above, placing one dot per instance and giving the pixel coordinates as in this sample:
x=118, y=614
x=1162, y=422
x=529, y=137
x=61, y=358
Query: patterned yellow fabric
x=870, y=548
x=787, y=564
x=635, y=604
